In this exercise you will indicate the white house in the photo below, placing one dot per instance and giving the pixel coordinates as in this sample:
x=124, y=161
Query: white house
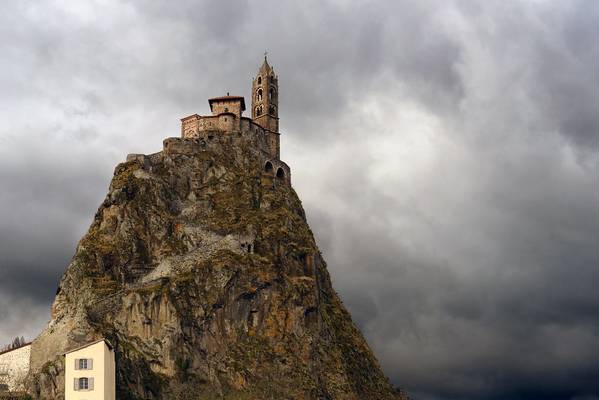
x=90, y=372
x=14, y=366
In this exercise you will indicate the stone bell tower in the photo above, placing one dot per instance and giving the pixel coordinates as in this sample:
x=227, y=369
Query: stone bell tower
x=265, y=103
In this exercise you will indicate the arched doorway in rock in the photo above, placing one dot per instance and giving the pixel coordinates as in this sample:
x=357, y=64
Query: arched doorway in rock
x=280, y=174
x=268, y=167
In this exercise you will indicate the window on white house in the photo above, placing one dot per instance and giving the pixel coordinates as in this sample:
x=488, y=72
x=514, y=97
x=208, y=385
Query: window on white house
x=84, y=363
x=84, y=384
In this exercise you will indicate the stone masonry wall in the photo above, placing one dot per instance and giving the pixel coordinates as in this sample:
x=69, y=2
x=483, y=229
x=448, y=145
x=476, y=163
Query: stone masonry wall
x=206, y=128
x=219, y=107
x=193, y=128
x=15, y=364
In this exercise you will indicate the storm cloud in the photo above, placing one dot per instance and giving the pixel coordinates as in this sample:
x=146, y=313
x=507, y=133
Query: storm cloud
x=447, y=155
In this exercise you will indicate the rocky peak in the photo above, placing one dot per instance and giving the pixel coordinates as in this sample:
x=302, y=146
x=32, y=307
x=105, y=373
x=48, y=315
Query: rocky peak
x=201, y=270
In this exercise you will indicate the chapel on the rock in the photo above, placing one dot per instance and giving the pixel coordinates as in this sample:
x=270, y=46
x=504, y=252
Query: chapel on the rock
x=227, y=117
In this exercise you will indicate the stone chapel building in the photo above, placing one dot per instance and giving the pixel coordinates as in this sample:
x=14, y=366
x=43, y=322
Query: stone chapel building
x=227, y=116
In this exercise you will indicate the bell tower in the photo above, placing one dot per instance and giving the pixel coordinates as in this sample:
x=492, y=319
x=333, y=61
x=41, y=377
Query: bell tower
x=265, y=103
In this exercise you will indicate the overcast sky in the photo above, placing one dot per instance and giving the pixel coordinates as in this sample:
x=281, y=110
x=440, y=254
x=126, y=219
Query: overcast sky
x=446, y=152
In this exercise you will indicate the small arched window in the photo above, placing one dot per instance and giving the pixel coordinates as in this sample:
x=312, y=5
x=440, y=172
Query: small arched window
x=259, y=95
x=259, y=80
x=258, y=111
x=272, y=110
x=268, y=167
x=273, y=93
x=280, y=173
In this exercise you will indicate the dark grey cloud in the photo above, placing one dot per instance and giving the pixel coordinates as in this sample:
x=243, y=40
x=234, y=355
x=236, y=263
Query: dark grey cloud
x=446, y=154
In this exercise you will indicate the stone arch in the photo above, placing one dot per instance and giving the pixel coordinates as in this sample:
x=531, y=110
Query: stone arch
x=258, y=111
x=273, y=92
x=272, y=110
x=259, y=80
x=259, y=95
x=280, y=173
x=268, y=167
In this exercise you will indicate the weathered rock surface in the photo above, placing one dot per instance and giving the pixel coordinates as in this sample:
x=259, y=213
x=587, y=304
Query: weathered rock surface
x=201, y=270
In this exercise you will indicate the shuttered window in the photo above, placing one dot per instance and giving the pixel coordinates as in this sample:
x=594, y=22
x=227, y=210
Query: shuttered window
x=84, y=364
x=83, y=384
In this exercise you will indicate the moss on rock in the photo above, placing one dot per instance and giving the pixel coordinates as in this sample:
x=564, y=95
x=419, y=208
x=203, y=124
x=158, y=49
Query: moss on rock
x=205, y=275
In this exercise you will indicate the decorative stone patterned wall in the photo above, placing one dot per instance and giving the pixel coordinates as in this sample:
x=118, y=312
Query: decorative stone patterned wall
x=219, y=107
x=189, y=126
x=192, y=128
x=14, y=366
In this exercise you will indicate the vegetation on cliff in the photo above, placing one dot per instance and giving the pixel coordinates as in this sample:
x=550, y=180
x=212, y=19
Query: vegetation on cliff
x=201, y=270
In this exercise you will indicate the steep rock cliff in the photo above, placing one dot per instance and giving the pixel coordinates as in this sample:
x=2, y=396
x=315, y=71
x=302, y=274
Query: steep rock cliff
x=201, y=270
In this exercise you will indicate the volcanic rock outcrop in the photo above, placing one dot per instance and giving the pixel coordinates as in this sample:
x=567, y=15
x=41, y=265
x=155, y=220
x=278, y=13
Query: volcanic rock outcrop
x=201, y=270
